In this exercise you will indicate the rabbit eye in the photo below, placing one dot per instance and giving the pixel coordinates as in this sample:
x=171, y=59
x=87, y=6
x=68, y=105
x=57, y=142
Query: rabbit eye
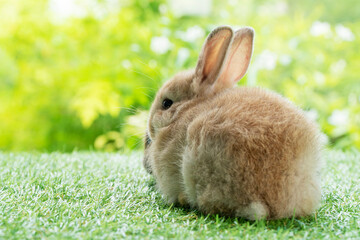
x=166, y=104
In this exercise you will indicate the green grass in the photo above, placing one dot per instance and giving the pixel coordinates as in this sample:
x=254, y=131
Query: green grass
x=102, y=196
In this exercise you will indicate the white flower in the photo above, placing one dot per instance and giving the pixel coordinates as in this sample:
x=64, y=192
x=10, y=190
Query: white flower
x=190, y=7
x=233, y=2
x=302, y=79
x=273, y=9
x=191, y=34
x=126, y=64
x=312, y=114
x=163, y=9
x=339, y=118
x=63, y=9
x=293, y=43
x=285, y=60
x=319, y=78
x=321, y=29
x=165, y=20
x=338, y=67
x=160, y=44
x=135, y=47
x=183, y=55
x=224, y=14
x=266, y=60
x=344, y=33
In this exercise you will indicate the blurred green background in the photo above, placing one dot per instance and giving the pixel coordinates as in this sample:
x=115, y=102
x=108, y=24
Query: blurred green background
x=81, y=74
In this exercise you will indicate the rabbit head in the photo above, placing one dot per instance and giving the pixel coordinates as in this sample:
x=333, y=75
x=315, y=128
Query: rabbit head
x=224, y=60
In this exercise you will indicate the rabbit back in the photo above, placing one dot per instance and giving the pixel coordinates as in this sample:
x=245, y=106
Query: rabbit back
x=250, y=152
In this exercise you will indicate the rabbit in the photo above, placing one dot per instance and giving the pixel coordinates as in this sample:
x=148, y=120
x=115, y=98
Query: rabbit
x=234, y=151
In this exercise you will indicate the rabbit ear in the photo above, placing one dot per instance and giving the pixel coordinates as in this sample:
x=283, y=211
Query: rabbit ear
x=212, y=55
x=238, y=58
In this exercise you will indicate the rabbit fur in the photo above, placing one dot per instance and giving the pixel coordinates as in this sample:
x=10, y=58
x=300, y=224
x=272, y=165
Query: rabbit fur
x=235, y=151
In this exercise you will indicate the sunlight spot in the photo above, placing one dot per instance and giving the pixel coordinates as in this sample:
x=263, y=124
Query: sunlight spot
x=135, y=47
x=319, y=58
x=165, y=20
x=190, y=7
x=273, y=9
x=160, y=44
x=183, y=55
x=126, y=64
x=319, y=78
x=266, y=60
x=285, y=60
x=312, y=114
x=224, y=14
x=191, y=34
x=293, y=43
x=338, y=67
x=64, y=9
x=339, y=117
x=352, y=99
x=344, y=33
x=233, y=2
x=163, y=9
x=302, y=79
x=321, y=29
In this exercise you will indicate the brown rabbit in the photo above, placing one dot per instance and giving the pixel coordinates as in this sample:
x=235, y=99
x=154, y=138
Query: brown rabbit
x=236, y=151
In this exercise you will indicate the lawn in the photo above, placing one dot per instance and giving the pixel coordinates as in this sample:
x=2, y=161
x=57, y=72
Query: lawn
x=109, y=195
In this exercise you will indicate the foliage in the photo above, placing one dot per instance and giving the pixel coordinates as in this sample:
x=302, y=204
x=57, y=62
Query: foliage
x=86, y=80
x=91, y=195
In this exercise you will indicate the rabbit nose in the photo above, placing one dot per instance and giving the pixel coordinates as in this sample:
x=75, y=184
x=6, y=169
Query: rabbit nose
x=147, y=140
x=146, y=164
